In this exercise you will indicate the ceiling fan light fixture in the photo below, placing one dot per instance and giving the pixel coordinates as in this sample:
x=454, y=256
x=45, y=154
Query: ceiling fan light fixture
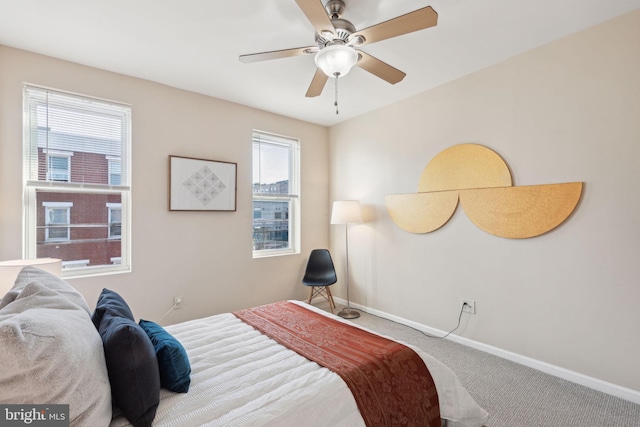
x=336, y=60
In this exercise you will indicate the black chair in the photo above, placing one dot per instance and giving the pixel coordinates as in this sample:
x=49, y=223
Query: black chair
x=319, y=275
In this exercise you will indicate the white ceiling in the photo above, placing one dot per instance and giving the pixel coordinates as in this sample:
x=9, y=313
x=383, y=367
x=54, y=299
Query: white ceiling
x=195, y=44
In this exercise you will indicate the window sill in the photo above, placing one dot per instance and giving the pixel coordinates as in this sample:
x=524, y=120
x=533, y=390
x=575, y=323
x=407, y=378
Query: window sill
x=274, y=253
x=102, y=270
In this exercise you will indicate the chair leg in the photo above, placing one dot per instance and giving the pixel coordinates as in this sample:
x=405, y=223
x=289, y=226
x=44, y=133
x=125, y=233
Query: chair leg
x=332, y=305
x=310, y=294
x=324, y=292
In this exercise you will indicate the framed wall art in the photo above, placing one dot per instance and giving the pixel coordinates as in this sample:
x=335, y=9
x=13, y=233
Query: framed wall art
x=201, y=185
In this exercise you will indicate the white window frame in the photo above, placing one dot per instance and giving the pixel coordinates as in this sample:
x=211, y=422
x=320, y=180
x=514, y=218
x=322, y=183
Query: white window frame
x=293, y=198
x=31, y=185
x=48, y=206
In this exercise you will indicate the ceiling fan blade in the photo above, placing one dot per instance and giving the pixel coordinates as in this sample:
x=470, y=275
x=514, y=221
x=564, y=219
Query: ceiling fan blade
x=315, y=13
x=380, y=69
x=277, y=54
x=317, y=84
x=405, y=24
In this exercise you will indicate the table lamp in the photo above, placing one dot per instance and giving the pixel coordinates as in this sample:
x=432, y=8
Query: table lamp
x=9, y=270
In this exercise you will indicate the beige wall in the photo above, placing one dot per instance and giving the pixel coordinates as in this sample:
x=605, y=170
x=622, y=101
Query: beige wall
x=568, y=111
x=204, y=257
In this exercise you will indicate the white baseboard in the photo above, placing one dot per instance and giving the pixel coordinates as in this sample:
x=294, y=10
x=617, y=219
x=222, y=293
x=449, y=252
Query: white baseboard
x=566, y=374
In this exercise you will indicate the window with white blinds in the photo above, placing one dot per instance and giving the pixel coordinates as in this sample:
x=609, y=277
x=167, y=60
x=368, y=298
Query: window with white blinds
x=276, y=206
x=77, y=153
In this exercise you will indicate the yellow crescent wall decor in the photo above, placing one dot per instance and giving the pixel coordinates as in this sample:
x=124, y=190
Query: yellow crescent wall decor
x=409, y=210
x=480, y=179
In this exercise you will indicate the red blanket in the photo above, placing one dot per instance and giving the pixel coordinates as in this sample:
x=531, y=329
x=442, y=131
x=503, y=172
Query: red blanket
x=388, y=380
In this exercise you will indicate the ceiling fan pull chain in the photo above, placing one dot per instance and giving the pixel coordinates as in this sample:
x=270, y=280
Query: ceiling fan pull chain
x=336, y=84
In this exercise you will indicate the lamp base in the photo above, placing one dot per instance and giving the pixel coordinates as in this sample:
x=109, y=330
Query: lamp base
x=348, y=313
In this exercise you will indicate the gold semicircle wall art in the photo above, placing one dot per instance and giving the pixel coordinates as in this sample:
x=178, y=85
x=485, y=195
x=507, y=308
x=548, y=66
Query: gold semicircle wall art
x=480, y=180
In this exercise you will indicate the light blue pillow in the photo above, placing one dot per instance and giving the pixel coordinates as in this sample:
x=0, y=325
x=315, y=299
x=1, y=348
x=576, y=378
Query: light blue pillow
x=175, y=369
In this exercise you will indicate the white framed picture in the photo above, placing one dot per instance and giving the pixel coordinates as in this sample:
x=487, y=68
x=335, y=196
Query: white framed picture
x=201, y=185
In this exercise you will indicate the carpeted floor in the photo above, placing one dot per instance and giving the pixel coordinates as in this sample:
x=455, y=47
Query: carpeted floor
x=513, y=394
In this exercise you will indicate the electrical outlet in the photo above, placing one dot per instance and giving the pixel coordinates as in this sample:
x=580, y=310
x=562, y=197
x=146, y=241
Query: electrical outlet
x=177, y=302
x=469, y=306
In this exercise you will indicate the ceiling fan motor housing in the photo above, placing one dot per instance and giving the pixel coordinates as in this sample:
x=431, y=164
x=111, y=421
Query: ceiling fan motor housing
x=343, y=28
x=334, y=8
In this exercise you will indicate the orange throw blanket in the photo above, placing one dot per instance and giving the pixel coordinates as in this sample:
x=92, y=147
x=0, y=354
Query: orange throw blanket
x=388, y=380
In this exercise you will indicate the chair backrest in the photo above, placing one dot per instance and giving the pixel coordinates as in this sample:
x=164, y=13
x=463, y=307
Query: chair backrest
x=320, y=270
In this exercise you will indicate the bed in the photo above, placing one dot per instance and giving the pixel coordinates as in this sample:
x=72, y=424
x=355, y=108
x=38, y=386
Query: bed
x=238, y=375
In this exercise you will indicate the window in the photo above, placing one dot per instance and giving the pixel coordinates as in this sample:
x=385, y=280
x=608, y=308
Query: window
x=115, y=220
x=77, y=190
x=57, y=219
x=276, y=209
x=78, y=263
x=114, y=171
x=59, y=167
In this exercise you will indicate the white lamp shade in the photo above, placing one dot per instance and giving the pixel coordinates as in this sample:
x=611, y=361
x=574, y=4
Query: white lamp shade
x=9, y=270
x=346, y=212
x=336, y=60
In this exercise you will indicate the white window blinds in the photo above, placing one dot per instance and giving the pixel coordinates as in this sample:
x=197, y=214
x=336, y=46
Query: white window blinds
x=274, y=165
x=58, y=124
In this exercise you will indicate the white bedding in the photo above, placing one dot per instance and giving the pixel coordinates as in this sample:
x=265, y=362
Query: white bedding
x=240, y=377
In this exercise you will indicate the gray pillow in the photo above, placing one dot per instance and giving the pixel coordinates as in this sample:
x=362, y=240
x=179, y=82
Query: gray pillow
x=52, y=353
x=51, y=281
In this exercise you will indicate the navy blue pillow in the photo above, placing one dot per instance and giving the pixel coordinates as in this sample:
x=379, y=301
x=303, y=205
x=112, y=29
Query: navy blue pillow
x=112, y=301
x=131, y=360
x=175, y=369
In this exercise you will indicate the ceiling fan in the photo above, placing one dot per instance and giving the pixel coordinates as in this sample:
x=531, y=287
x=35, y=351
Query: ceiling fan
x=338, y=42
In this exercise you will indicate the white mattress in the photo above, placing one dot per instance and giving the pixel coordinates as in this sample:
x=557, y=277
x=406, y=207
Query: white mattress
x=243, y=378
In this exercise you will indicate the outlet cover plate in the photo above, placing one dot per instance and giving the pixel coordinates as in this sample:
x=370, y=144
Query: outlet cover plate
x=470, y=307
x=177, y=301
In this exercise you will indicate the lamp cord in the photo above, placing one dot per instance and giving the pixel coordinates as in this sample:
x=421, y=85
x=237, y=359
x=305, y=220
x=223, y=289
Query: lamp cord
x=165, y=315
x=424, y=333
x=448, y=333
